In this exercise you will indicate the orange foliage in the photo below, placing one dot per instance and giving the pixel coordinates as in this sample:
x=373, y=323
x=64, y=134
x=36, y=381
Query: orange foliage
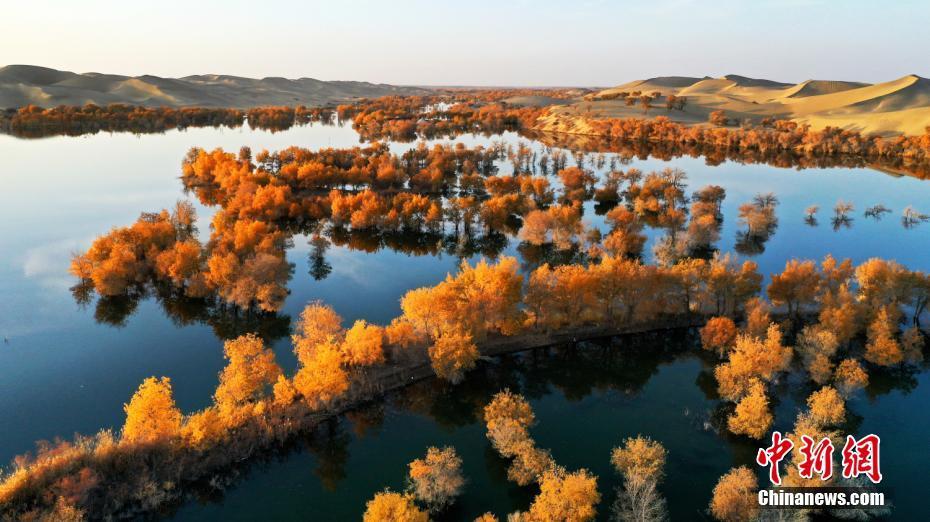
x=912, y=345
x=437, y=479
x=393, y=507
x=752, y=416
x=284, y=391
x=719, y=118
x=477, y=300
x=401, y=333
x=718, y=335
x=625, y=238
x=508, y=417
x=203, y=429
x=883, y=349
x=250, y=370
x=820, y=368
x=840, y=314
x=850, y=376
x=640, y=457
x=751, y=359
x=758, y=317
x=363, y=344
x=452, y=354
x=33, y=121
x=318, y=324
x=321, y=380
x=735, y=496
x=827, y=407
x=151, y=414
x=565, y=496
x=796, y=286
x=789, y=137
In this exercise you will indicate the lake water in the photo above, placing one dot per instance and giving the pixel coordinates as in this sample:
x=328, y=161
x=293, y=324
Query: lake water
x=66, y=367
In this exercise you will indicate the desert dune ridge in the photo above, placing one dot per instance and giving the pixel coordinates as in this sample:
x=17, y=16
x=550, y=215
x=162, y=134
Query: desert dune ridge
x=896, y=107
x=22, y=85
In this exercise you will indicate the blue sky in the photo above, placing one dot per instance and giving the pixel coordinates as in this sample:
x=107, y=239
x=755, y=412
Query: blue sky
x=501, y=42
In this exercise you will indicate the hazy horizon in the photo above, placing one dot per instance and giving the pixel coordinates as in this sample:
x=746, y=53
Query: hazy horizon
x=519, y=43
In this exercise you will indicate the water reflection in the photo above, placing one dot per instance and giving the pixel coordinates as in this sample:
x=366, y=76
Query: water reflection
x=90, y=348
x=329, y=443
x=615, y=369
x=316, y=259
x=468, y=223
x=632, y=382
x=227, y=322
x=876, y=212
x=760, y=221
x=716, y=156
x=912, y=217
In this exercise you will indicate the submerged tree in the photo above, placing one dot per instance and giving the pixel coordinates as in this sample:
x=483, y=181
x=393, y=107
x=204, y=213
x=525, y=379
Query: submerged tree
x=452, y=355
x=841, y=212
x=883, y=348
x=850, y=376
x=437, y=478
x=911, y=217
x=752, y=359
x=718, y=335
x=640, y=461
x=565, y=496
x=796, y=286
x=827, y=407
x=761, y=222
x=752, y=417
x=388, y=506
x=810, y=215
x=508, y=417
x=734, y=497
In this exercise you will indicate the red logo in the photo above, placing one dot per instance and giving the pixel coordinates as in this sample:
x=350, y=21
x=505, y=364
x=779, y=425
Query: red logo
x=859, y=457
x=817, y=459
x=774, y=454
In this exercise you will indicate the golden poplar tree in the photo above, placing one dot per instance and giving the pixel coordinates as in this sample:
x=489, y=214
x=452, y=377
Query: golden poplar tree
x=752, y=416
x=734, y=497
x=388, y=506
x=151, y=414
x=250, y=370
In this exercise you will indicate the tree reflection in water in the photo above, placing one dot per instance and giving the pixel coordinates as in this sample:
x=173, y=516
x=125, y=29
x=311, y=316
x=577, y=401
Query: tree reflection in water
x=227, y=322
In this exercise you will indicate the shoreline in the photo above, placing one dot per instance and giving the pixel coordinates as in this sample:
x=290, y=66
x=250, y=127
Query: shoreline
x=250, y=440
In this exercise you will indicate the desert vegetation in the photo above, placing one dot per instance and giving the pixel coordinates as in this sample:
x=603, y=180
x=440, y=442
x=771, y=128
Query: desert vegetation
x=448, y=114
x=362, y=197
x=448, y=326
x=32, y=121
x=830, y=322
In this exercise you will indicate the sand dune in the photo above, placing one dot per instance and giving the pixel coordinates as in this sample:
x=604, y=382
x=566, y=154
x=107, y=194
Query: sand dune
x=900, y=106
x=708, y=86
x=818, y=87
x=904, y=93
x=744, y=81
x=25, y=84
x=663, y=84
x=535, y=101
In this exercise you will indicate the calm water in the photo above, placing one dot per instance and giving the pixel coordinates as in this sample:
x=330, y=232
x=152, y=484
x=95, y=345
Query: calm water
x=65, y=369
